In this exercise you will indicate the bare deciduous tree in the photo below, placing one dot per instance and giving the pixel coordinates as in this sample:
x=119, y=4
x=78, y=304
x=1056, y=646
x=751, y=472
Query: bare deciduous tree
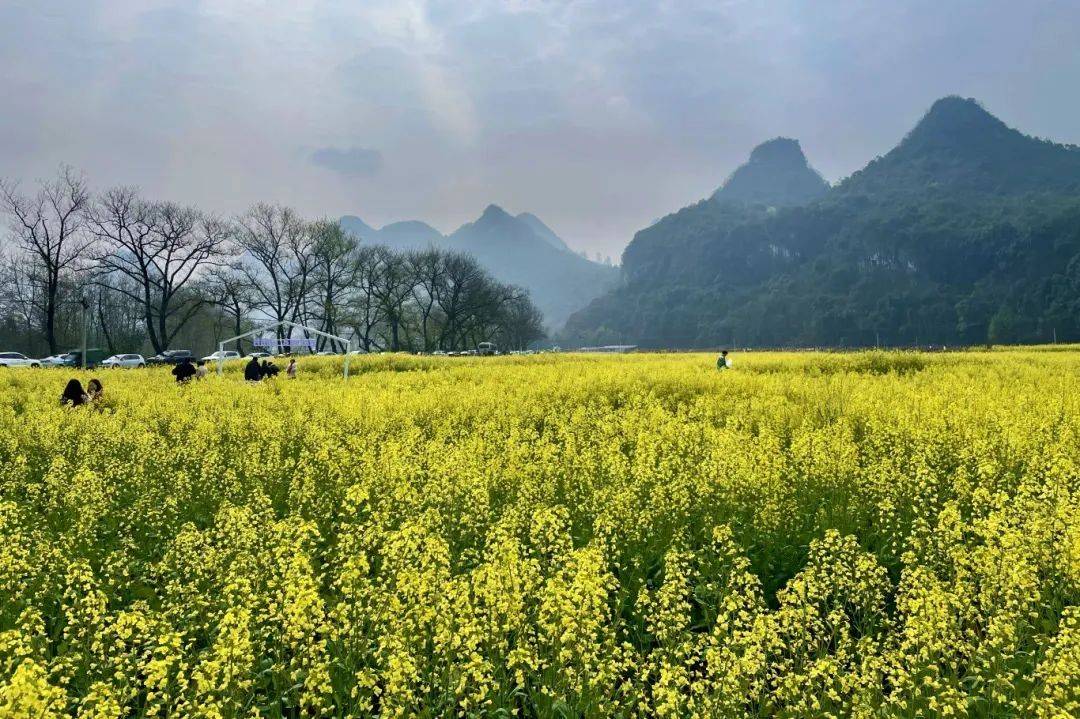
x=229, y=289
x=428, y=267
x=278, y=262
x=362, y=309
x=47, y=227
x=335, y=272
x=161, y=248
x=119, y=318
x=459, y=296
x=392, y=286
x=21, y=295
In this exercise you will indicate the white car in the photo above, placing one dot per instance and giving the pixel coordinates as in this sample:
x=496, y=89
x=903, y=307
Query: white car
x=258, y=355
x=124, y=361
x=59, y=360
x=219, y=355
x=15, y=359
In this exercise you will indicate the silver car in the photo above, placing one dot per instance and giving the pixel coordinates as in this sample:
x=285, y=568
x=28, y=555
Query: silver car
x=128, y=361
x=60, y=360
x=16, y=359
x=225, y=355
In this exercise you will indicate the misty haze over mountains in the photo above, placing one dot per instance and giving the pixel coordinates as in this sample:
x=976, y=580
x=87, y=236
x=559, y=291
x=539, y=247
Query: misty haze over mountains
x=519, y=249
x=967, y=231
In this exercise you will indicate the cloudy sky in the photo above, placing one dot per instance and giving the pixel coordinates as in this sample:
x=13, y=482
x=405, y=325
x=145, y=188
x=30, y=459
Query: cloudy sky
x=597, y=116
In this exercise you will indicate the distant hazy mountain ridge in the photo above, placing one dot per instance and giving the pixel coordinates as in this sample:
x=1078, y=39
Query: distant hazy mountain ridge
x=518, y=249
x=960, y=147
x=966, y=231
x=777, y=174
x=407, y=235
x=543, y=231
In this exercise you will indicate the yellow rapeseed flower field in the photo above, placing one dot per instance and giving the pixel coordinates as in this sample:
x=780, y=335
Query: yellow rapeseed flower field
x=804, y=535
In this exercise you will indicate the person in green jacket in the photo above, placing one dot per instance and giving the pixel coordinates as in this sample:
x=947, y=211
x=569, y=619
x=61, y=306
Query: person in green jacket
x=722, y=361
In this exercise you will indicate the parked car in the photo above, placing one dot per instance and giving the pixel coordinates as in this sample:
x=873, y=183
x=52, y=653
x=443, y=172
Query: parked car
x=16, y=359
x=258, y=354
x=124, y=361
x=486, y=349
x=170, y=357
x=94, y=357
x=220, y=355
x=59, y=360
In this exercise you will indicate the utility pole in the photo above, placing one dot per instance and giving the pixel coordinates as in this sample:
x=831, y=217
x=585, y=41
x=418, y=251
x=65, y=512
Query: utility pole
x=85, y=312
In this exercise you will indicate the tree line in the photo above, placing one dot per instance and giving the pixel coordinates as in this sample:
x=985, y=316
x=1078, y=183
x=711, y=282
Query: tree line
x=150, y=274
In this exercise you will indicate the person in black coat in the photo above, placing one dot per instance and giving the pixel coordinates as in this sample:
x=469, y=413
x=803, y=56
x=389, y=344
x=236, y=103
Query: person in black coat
x=184, y=371
x=252, y=370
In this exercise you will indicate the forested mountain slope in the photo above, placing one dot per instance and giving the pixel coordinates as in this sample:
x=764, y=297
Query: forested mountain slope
x=968, y=231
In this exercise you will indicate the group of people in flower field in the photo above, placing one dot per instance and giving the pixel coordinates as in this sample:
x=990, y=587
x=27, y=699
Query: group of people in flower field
x=75, y=395
x=255, y=372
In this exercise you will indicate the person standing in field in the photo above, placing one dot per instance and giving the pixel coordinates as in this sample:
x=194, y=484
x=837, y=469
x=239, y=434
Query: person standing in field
x=290, y=371
x=184, y=371
x=723, y=362
x=202, y=370
x=252, y=370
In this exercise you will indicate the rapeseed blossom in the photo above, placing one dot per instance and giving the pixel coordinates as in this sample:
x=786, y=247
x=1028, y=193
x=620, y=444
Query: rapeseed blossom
x=813, y=535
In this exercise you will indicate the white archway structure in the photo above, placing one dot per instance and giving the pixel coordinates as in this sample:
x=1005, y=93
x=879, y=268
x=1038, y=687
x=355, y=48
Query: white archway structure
x=290, y=325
